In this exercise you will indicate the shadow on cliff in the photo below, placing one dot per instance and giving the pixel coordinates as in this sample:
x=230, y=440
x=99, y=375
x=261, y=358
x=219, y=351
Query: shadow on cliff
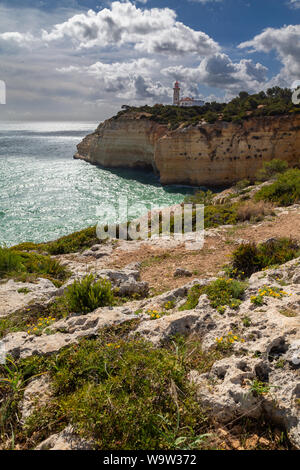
x=147, y=176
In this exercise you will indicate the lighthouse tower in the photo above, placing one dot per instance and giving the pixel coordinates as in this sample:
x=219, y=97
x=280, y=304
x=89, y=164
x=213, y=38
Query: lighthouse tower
x=176, y=96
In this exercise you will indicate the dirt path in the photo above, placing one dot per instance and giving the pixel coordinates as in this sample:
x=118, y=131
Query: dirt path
x=159, y=264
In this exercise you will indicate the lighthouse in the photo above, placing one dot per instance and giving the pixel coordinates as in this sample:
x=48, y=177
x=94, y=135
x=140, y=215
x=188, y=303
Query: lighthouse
x=176, y=96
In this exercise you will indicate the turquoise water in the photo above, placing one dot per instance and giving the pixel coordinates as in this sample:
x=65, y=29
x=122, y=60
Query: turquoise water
x=45, y=193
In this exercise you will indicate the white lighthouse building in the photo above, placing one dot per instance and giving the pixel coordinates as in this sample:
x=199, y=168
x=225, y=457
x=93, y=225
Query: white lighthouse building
x=176, y=95
x=184, y=102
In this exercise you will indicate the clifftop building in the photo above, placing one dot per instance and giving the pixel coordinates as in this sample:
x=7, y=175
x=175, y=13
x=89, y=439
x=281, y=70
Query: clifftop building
x=184, y=102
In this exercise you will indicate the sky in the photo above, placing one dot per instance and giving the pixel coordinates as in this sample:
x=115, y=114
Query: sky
x=83, y=59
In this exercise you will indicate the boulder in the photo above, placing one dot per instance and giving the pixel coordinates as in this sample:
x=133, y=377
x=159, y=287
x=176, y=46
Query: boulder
x=181, y=272
x=158, y=331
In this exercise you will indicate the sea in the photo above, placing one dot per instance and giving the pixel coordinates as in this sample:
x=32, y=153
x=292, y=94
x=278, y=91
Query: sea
x=45, y=193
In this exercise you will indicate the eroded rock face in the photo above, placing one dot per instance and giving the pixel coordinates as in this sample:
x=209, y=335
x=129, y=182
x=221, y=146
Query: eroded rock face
x=127, y=281
x=65, y=332
x=128, y=141
x=223, y=153
x=183, y=323
x=206, y=154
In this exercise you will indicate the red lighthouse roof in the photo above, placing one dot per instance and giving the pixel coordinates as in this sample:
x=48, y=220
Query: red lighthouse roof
x=176, y=84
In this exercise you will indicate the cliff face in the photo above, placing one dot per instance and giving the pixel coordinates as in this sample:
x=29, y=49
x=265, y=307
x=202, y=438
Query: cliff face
x=207, y=154
x=128, y=142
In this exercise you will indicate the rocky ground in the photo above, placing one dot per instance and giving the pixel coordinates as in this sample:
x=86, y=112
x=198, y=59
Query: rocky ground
x=261, y=342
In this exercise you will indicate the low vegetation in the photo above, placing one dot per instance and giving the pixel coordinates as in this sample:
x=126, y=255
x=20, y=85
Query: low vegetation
x=88, y=294
x=254, y=211
x=25, y=266
x=267, y=291
x=276, y=101
x=75, y=242
x=285, y=191
x=221, y=293
x=82, y=297
x=225, y=292
x=220, y=214
x=272, y=169
x=110, y=391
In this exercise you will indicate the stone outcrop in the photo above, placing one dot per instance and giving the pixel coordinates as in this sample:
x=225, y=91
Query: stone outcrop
x=65, y=332
x=36, y=395
x=205, y=154
x=17, y=295
x=266, y=352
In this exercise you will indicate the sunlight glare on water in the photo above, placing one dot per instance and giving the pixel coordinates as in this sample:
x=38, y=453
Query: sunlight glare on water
x=45, y=193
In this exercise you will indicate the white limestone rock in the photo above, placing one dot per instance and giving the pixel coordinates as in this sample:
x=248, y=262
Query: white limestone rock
x=17, y=295
x=65, y=440
x=65, y=332
x=36, y=394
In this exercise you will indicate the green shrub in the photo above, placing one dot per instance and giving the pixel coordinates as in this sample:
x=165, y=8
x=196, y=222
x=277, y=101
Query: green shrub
x=220, y=215
x=43, y=265
x=243, y=184
x=87, y=295
x=210, y=117
x=77, y=241
x=225, y=292
x=284, y=192
x=249, y=258
x=192, y=298
x=200, y=197
x=222, y=292
x=10, y=261
x=124, y=395
x=271, y=169
x=19, y=264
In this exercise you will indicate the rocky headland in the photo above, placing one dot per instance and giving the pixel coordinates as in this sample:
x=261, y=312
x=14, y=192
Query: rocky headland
x=202, y=154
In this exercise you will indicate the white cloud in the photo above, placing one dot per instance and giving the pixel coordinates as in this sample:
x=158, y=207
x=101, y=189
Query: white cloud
x=126, y=80
x=221, y=72
x=294, y=4
x=84, y=65
x=286, y=42
x=23, y=39
x=152, y=30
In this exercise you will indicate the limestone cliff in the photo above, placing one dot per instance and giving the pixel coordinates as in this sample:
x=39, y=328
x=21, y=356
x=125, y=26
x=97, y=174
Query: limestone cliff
x=128, y=141
x=205, y=154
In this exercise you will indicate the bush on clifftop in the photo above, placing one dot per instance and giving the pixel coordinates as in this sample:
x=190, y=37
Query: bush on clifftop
x=285, y=191
x=249, y=258
x=271, y=169
x=22, y=265
x=276, y=101
x=88, y=294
